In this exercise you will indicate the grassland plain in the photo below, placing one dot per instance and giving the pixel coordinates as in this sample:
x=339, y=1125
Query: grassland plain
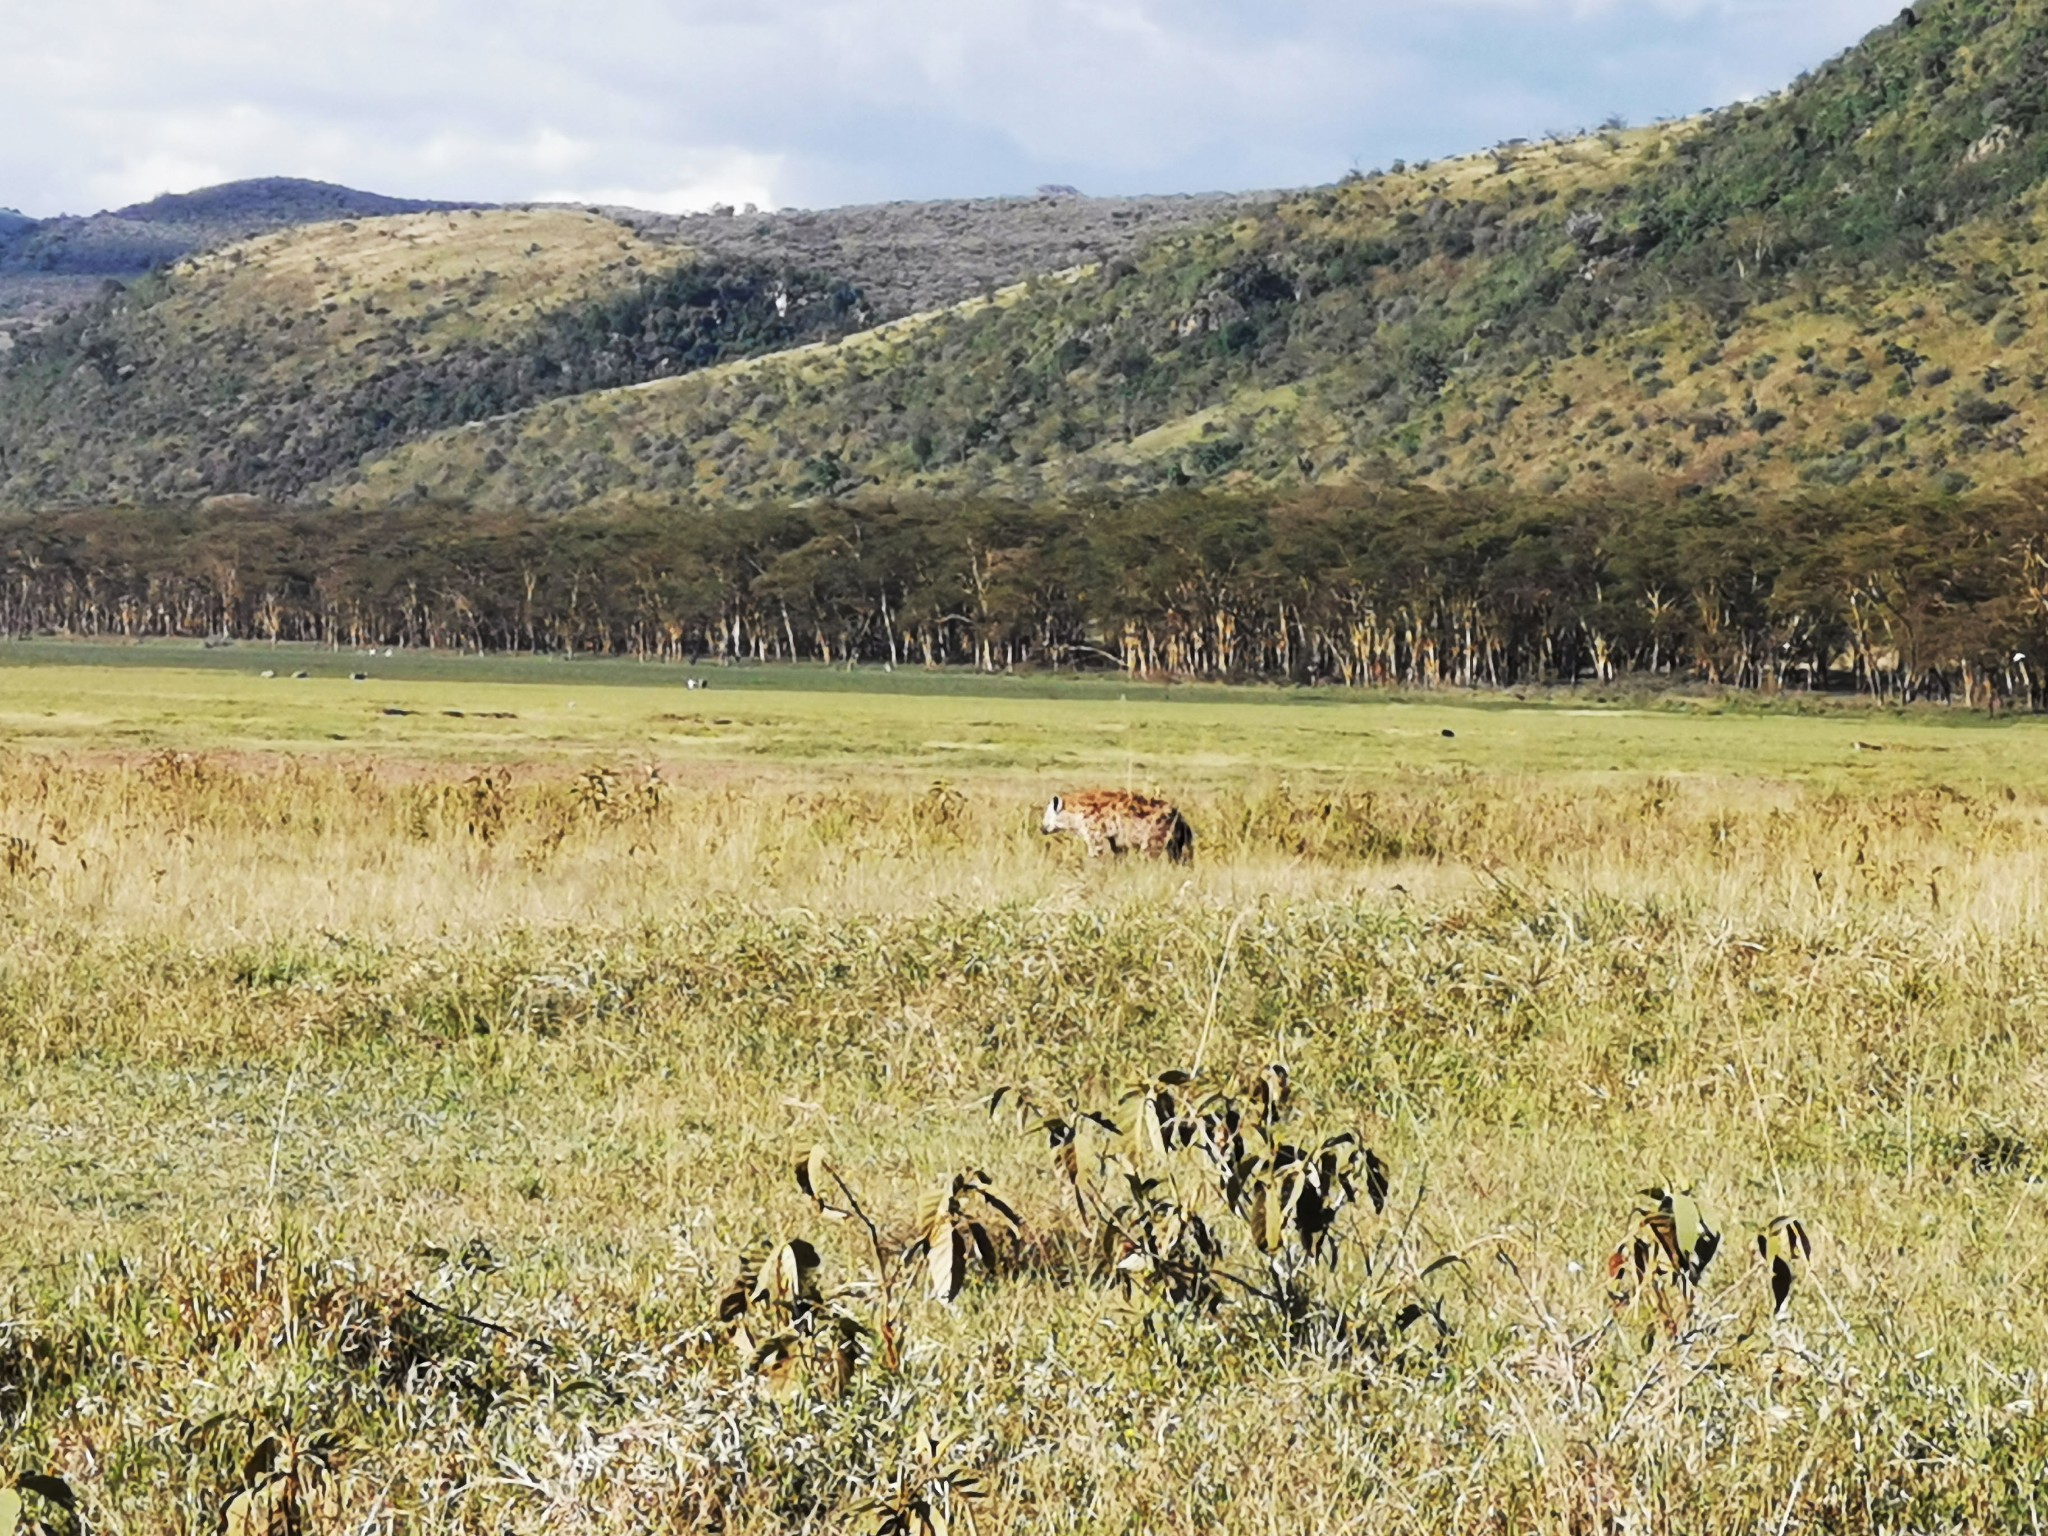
x=416, y=1096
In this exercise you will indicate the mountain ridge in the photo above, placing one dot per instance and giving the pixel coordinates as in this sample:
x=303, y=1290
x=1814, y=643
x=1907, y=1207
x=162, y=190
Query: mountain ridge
x=286, y=199
x=46, y=264
x=1832, y=284
x=244, y=370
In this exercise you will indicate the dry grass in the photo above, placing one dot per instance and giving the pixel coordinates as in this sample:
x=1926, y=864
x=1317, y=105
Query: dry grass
x=500, y=262
x=314, y=1071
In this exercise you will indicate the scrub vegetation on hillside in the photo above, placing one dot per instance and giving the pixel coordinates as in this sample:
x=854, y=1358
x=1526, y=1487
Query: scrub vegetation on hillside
x=287, y=358
x=1832, y=285
x=1829, y=285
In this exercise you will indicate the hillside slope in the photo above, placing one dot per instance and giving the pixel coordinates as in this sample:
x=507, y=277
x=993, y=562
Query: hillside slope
x=48, y=261
x=286, y=359
x=1836, y=284
x=1840, y=282
x=268, y=365
x=911, y=257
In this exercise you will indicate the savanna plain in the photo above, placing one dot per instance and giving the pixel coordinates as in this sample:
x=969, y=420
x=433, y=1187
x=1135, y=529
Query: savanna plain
x=538, y=1097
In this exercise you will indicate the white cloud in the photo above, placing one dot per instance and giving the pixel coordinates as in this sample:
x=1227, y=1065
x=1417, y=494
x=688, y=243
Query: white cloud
x=688, y=102
x=735, y=178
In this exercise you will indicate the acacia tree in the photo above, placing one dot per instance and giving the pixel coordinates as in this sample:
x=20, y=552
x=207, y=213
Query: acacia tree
x=1898, y=596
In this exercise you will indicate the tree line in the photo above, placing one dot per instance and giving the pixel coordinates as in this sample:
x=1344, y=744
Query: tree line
x=1899, y=597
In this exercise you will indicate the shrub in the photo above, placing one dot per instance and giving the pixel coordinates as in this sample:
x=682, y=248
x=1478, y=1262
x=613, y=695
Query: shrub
x=1976, y=411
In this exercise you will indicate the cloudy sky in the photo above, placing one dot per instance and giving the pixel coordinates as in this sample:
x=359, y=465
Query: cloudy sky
x=679, y=103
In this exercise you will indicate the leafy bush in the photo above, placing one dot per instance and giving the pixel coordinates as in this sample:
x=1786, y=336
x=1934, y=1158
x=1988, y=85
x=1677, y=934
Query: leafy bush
x=1975, y=410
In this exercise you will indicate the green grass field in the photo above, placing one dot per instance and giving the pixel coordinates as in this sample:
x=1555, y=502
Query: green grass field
x=406, y=1090
x=57, y=695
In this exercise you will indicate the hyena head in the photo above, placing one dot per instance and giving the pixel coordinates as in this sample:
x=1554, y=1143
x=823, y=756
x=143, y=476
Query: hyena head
x=1055, y=817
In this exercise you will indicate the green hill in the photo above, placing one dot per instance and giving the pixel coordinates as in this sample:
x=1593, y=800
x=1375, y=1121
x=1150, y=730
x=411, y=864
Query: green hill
x=1837, y=284
x=45, y=263
x=264, y=367
x=284, y=359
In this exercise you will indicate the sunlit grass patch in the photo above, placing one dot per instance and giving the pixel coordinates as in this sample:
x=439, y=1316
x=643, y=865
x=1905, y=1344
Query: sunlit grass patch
x=384, y=1132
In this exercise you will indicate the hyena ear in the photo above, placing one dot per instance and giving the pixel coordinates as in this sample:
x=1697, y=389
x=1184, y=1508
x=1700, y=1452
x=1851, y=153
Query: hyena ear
x=1057, y=805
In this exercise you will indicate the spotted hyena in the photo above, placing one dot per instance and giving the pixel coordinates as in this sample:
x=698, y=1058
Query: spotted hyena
x=1111, y=821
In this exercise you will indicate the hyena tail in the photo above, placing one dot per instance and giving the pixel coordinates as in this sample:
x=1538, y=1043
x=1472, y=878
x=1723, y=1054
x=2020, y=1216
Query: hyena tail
x=1180, y=840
